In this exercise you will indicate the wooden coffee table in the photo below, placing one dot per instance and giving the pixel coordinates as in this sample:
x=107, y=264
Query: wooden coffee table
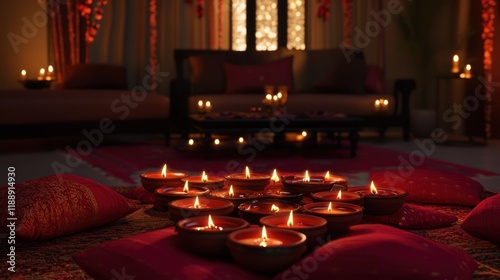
x=251, y=123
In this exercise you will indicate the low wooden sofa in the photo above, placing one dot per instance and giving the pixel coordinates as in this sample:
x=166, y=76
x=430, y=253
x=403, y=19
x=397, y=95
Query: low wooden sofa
x=318, y=80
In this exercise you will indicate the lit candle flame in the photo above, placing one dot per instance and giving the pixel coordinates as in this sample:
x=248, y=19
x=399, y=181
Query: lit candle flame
x=275, y=177
x=386, y=102
x=247, y=172
x=339, y=195
x=51, y=69
x=164, y=171
x=204, y=177
x=290, y=219
x=231, y=192
x=373, y=189
x=263, y=243
x=23, y=73
x=42, y=71
x=327, y=175
x=275, y=208
x=186, y=187
x=279, y=94
x=306, y=177
x=455, y=58
x=196, y=203
x=200, y=103
x=241, y=140
x=269, y=96
x=377, y=102
x=330, y=207
x=211, y=224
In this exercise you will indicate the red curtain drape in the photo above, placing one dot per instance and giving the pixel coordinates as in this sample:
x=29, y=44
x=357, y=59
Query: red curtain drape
x=74, y=25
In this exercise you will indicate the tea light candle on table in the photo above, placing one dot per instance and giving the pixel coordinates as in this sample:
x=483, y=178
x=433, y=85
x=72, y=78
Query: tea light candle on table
x=266, y=250
x=208, y=235
x=340, y=215
x=312, y=226
x=153, y=180
x=254, y=181
x=382, y=201
x=209, y=182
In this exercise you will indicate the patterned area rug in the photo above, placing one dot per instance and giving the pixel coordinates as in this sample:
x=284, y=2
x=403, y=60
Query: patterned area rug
x=127, y=162
x=52, y=258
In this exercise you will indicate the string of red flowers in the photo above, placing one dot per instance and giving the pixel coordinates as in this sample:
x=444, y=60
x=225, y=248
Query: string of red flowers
x=92, y=14
x=324, y=9
x=488, y=16
x=200, y=7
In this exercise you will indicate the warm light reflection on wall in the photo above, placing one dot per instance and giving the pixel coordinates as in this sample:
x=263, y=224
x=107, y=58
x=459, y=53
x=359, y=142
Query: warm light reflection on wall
x=266, y=25
x=239, y=25
x=296, y=25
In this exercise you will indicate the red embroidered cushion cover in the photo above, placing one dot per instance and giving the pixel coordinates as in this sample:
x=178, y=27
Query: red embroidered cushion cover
x=155, y=255
x=58, y=205
x=483, y=221
x=411, y=216
x=432, y=186
x=253, y=78
x=372, y=251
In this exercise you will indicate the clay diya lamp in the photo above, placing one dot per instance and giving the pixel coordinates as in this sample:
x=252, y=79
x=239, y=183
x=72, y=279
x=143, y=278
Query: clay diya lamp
x=339, y=196
x=236, y=196
x=313, y=227
x=266, y=250
x=167, y=194
x=339, y=215
x=153, y=180
x=315, y=183
x=283, y=195
x=208, y=235
x=254, y=181
x=381, y=201
x=198, y=206
x=205, y=181
x=253, y=210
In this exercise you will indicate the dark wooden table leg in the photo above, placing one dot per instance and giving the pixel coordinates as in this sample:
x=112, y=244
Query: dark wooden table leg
x=207, y=145
x=353, y=140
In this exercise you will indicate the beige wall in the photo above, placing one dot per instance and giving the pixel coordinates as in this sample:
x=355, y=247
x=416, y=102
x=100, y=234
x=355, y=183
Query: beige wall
x=24, y=41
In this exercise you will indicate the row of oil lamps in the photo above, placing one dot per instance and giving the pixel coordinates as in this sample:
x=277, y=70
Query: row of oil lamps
x=206, y=208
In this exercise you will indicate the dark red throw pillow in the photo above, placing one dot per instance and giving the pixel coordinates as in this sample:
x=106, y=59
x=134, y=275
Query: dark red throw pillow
x=350, y=78
x=382, y=252
x=57, y=205
x=374, y=82
x=411, y=216
x=155, y=255
x=483, y=221
x=432, y=186
x=95, y=76
x=253, y=78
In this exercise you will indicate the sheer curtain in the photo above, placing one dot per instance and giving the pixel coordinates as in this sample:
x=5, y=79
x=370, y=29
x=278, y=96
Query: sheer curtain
x=124, y=36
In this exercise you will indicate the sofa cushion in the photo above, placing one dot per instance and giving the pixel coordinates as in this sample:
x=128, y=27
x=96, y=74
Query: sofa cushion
x=57, y=205
x=253, y=78
x=483, y=222
x=207, y=71
x=95, y=76
x=344, y=77
x=374, y=82
x=381, y=252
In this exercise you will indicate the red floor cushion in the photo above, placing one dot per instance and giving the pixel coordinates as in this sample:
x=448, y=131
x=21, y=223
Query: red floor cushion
x=372, y=251
x=432, y=186
x=57, y=205
x=155, y=255
x=411, y=216
x=483, y=221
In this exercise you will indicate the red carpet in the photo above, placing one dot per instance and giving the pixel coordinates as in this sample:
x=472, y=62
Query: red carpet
x=127, y=161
